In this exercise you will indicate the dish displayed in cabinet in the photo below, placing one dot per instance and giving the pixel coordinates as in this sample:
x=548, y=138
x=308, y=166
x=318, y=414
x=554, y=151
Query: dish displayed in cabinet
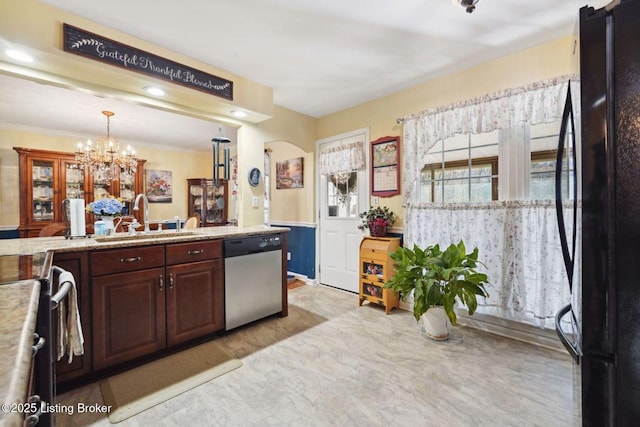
x=207, y=200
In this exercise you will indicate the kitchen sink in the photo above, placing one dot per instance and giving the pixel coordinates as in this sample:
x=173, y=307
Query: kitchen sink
x=121, y=237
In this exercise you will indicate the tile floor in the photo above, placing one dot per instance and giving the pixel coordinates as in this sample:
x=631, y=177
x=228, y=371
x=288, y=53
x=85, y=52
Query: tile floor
x=332, y=363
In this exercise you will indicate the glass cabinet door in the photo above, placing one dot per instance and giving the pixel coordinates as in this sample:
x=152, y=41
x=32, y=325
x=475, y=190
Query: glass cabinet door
x=207, y=200
x=42, y=180
x=74, y=181
x=127, y=192
x=215, y=204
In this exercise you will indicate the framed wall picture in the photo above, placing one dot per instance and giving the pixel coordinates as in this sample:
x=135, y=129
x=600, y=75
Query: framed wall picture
x=158, y=186
x=385, y=166
x=290, y=173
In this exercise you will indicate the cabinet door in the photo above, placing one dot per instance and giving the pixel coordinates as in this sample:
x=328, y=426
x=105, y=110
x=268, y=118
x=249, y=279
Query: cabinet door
x=128, y=316
x=215, y=203
x=78, y=264
x=74, y=181
x=44, y=201
x=194, y=300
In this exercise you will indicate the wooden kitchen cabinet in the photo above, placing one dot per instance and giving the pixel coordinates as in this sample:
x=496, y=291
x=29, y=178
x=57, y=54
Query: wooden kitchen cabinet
x=195, y=290
x=148, y=298
x=194, y=300
x=128, y=304
x=76, y=263
x=376, y=267
x=46, y=178
x=207, y=200
x=128, y=316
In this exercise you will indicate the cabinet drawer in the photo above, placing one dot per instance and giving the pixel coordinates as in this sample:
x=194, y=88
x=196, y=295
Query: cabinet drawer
x=372, y=291
x=181, y=253
x=129, y=259
x=373, y=254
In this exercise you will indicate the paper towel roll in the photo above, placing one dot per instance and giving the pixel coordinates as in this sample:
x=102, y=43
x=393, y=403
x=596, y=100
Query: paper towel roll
x=77, y=218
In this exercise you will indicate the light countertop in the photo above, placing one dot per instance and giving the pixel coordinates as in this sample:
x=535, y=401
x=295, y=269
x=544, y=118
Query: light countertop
x=18, y=313
x=60, y=244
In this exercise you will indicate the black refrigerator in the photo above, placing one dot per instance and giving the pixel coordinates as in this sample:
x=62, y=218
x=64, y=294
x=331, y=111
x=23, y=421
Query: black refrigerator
x=605, y=317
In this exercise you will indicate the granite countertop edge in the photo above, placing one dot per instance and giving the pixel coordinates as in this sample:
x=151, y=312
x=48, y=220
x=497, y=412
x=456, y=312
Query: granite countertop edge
x=19, y=303
x=59, y=244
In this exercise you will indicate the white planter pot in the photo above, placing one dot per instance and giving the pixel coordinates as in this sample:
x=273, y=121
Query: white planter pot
x=436, y=323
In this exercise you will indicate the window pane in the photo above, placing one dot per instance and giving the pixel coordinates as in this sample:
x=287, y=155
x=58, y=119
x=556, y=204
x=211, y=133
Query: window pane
x=342, y=195
x=456, y=191
x=456, y=172
x=447, y=176
x=481, y=189
x=543, y=144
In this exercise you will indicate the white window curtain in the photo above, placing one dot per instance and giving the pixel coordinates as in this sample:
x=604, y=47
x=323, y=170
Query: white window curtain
x=341, y=158
x=539, y=102
x=518, y=240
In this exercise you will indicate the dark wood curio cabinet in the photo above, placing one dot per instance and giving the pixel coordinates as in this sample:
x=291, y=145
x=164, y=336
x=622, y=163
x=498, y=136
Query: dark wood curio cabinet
x=46, y=178
x=207, y=200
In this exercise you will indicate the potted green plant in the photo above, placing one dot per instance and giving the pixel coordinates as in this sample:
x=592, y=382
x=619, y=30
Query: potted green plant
x=438, y=280
x=377, y=219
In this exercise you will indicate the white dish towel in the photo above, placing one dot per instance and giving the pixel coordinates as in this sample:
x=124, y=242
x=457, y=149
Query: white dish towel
x=70, y=338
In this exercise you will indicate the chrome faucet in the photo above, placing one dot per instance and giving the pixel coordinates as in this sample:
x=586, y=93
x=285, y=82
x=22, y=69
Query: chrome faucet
x=146, y=210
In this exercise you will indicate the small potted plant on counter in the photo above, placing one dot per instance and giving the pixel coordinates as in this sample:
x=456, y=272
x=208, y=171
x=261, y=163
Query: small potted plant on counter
x=377, y=220
x=438, y=280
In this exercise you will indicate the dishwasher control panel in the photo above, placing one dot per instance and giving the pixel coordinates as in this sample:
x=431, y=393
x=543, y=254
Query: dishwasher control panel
x=251, y=245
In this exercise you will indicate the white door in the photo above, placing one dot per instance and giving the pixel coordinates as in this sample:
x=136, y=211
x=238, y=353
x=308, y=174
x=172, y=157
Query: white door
x=341, y=199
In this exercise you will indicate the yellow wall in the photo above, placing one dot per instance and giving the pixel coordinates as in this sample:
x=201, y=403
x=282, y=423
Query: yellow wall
x=519, y=69
x=288, y=133
x=292, y=206
x=182, y=163
x=37, y=27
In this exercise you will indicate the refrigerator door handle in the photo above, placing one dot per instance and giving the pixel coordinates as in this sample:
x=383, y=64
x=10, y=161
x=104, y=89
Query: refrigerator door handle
x=573, y=350
x=567, y=117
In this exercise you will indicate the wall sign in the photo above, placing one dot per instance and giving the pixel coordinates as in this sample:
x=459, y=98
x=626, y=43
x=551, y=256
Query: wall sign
x=385, y=170
x=90, y=45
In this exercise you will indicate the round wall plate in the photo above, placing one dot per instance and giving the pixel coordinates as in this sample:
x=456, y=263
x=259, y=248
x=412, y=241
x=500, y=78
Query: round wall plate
x=254, y=177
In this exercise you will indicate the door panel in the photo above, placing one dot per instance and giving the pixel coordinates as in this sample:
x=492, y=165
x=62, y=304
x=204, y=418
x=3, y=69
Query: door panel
x=341, y=198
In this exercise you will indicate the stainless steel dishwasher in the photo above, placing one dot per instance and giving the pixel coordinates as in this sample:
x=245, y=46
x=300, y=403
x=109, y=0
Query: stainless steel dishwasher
x=253, y=279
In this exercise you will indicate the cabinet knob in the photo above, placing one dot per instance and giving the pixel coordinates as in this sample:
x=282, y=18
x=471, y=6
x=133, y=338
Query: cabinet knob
x=195, y=252
x=171, y=281
x=131, y=259
x=161, y=282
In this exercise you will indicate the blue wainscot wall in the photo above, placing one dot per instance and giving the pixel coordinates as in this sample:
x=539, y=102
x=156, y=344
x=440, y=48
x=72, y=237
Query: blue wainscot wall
x=9, y=233
x=301, y=243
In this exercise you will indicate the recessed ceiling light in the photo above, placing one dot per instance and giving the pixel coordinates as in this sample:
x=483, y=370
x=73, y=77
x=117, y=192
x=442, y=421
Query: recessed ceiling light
x=154, y=91
x=238, y=113
x=19, y=55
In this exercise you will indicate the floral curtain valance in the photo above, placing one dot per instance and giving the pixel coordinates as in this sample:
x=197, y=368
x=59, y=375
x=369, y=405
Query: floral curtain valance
x=341, y=158
x=539, y=102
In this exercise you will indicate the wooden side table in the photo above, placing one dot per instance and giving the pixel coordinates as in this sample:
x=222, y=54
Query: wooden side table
x=376, y=267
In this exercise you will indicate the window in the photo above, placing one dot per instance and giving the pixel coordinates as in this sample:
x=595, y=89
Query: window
x=342, y=195
x=465, y=168
x=543, y=142
x=462, y=168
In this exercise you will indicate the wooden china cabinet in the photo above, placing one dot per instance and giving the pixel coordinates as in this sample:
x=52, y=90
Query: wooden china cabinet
x=49, y=177
x=207, y=200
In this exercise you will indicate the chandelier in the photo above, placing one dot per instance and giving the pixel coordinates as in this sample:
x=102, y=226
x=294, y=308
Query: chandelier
x=102, y=158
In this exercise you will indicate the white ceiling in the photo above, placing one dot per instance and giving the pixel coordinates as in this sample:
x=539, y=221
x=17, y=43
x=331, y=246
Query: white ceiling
x=318, y=56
